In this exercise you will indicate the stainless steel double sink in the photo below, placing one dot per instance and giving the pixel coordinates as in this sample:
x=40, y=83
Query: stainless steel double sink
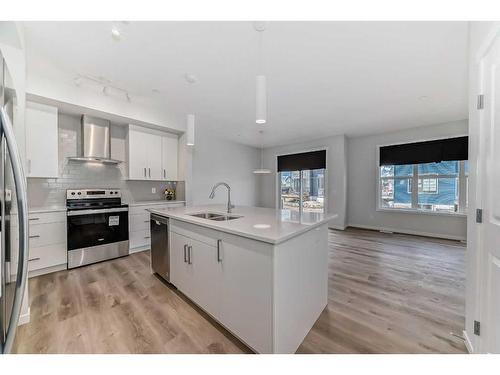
x=215, y=216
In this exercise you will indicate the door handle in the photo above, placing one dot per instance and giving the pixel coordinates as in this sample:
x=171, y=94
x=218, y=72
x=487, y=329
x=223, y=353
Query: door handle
x=190, y=249
x=149, y=172
x=185, y=253
x=219, y=244
x=22, y=207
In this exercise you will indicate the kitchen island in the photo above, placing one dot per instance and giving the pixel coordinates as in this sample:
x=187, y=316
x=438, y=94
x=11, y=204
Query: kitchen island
x=262, y=273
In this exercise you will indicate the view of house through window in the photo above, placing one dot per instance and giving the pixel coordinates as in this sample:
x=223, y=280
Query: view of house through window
x=442, y=187
x=306, y=188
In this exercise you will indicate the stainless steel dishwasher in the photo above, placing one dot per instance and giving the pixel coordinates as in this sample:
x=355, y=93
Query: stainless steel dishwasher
x=160, y=251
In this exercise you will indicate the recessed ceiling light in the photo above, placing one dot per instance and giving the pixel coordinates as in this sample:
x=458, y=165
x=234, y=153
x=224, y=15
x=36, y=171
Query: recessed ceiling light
x=115, y=34
x=190, y=78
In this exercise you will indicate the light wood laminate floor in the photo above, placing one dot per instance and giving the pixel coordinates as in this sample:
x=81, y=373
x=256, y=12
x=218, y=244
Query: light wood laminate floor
x=387, y=294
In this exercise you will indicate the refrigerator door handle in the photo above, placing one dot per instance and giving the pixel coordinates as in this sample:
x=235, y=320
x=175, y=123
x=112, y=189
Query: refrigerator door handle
x=22, y=208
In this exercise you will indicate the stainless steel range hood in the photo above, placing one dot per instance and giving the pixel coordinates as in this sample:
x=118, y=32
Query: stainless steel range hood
x=96, y=141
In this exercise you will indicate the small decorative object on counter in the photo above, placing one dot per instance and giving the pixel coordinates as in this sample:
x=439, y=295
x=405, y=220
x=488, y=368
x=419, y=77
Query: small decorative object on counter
x=169, y=194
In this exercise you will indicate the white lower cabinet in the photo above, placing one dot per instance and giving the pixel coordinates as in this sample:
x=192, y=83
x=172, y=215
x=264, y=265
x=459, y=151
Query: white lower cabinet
x=227, y=276
x=47, y=242
x=138, y=223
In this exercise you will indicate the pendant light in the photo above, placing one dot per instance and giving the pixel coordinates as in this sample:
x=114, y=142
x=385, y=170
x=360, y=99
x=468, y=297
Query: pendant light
x=260, y=79
x=190, y=130
x=190, y=118
x=261, y=170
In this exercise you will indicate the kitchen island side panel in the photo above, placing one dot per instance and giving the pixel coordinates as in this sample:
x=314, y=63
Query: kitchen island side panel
x=300, y=294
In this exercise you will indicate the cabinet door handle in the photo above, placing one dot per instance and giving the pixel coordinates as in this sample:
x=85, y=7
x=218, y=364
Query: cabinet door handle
x=33, y=259
x=144, y=172
x=146, y=221
x=185, y=253
x=149, y=172
x=219, y=244
x=164, y=174
x=147, y=237
x=35, y=236
x=29, y=166
x=190, y=250
x=33, y=218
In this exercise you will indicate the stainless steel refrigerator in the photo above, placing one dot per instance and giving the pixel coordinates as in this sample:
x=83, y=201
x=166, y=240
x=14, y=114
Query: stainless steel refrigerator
x=14, y=238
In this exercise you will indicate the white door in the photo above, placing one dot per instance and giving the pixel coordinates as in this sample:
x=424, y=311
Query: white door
x=154, y=144
x=169, y=157
x=206, y=294
x=490, y=191
x=138, y=155
x=178, y=261
x=41, y=141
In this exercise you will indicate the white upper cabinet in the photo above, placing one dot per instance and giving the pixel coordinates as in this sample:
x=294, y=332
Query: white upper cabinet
x=170, y=146
x=41, y=141
x=137, y=155
x=151, y=155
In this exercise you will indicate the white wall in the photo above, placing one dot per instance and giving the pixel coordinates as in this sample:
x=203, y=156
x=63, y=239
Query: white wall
x=215, y=159
x=336, y=170
x=362, y=185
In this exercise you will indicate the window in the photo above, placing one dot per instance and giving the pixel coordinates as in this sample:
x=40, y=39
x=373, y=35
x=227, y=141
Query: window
x=425, y=185
x=302, y=181
x=442, y=186
x=303, y=190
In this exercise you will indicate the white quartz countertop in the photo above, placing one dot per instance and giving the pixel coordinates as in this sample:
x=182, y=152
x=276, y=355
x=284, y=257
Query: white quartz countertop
x=262, y=224
x=40, y=210
x=152, y=202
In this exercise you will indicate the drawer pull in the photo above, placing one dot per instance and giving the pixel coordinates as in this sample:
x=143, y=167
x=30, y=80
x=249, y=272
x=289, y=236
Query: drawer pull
x=190, y=250
x=146, y=221
x=100, y=239
x=147, y=236
x=33, y=259
x=35, y=236
x=219, y=243
x=33, y=218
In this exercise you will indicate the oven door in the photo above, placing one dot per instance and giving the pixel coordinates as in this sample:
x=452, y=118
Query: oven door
x=96, y=227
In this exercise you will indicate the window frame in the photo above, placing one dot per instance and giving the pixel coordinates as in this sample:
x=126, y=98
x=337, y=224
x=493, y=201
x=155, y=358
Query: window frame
x=462, y=182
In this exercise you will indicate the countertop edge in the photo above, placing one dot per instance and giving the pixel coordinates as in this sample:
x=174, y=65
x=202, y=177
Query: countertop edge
x=210, y=225
x=153, y=203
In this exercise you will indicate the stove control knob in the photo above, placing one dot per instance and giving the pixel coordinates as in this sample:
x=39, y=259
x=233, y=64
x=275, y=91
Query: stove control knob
x=110, y=192
x=73, y=193
x=79, y=193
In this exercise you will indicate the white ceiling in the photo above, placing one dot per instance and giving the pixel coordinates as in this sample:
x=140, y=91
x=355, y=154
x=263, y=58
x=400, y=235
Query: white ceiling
x=324, y=78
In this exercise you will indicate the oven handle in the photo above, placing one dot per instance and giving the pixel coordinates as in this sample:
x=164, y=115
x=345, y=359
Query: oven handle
x=97, y=211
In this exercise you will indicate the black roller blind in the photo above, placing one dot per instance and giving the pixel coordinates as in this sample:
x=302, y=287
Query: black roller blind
x=426, y=152
x=302, y=161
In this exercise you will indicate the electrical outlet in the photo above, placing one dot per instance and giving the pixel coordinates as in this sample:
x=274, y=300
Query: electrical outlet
x=153, y=190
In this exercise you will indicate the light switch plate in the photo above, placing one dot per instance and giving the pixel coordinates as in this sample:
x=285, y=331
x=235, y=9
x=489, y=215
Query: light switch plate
x=153, y=190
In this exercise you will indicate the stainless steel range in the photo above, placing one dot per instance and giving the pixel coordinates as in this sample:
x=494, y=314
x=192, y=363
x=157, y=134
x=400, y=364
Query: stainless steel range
x=97, y=226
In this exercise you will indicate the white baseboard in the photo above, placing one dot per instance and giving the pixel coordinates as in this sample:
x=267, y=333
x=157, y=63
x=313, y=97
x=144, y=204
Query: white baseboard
x=406, y=231
x=468, y=343
x=338, y=227
x=24, y=318
x=138, y=249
